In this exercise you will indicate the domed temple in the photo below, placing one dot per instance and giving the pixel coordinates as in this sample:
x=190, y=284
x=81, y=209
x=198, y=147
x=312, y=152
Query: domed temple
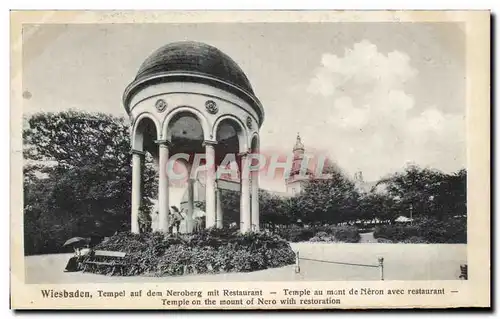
x=190, y=103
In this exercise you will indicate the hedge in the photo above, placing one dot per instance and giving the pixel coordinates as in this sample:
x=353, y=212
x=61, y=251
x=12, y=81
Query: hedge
x=425, y=231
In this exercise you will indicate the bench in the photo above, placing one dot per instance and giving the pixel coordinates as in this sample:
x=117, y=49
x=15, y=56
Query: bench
x=103, y=258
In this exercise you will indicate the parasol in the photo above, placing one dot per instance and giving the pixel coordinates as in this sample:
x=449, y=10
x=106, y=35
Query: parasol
x=74, y=240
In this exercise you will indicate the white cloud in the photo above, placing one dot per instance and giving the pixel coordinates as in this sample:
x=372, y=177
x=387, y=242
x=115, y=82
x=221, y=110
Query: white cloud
x=361, y=67
x=375, y=124
x=345, y=115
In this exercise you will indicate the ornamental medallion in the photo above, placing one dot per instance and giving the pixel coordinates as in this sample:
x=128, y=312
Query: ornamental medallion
x=211, y=107
x=161, y=105
x=249, y=122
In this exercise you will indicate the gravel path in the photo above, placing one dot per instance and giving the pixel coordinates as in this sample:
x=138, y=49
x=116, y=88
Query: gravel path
x=367, y=238
x=401, y=262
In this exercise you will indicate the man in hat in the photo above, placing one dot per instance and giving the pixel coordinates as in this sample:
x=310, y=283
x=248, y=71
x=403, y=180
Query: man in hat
x=176, y=218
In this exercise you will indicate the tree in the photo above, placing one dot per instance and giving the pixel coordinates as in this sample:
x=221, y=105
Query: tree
x=230, y=201
x=276, y=210
x=77, y=177
x=427, y=193
x=331, y=200
x=450, y=199
x=378, y=206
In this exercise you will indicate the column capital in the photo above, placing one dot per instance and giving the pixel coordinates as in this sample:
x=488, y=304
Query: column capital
x=209, y=142
x=137, y=152
x=164, y=143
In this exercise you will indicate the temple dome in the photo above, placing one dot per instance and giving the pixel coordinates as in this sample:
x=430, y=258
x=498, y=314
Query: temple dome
x=194, y=57
x=196, y=62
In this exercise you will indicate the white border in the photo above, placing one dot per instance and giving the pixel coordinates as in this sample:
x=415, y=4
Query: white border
x=190, y=5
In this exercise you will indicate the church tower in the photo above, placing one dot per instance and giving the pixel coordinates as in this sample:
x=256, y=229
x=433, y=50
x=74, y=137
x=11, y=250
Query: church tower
x=295, y=182
x=298, y=156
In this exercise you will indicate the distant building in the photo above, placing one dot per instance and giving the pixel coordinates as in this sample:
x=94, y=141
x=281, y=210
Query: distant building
x=296, y=181
x=362, y=185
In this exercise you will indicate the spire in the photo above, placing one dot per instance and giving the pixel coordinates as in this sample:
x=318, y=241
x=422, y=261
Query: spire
x=358, y=176
x=298, y=144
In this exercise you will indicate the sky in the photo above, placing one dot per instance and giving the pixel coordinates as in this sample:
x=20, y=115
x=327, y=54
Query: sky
x=373, y=96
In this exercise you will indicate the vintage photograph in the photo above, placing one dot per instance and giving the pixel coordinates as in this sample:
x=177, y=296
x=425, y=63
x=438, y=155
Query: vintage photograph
x=191, y=155
x=247, y=152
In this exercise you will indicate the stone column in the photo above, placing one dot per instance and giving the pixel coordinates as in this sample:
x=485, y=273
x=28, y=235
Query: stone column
x=210, y=183
x=136, y=200
x=220, y=214
x=255, y=201
x=245, y=222
x=190, y=206
x=163, y=192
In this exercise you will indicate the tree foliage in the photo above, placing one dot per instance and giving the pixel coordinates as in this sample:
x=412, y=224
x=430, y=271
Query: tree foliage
x=330, y=200
x=428, y=193
x=77, y=178
x=336, y=200
x=276, y=210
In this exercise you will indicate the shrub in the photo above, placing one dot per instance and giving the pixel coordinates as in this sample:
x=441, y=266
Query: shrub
x=332, y=233
x=295, y=233
x=414, y=240
x=322, y=234
x=395, y=232
x=384, y=241
x=212, y=250
x=426, y=231
x=453, y=230
x=322, y=237
x=325, y=233
x=346, y=234
x=327, y=239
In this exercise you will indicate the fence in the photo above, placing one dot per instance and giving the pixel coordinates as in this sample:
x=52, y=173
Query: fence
x=380, y=264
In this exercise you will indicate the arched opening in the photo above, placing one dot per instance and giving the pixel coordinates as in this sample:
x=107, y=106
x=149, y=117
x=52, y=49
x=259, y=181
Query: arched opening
x=145, y=134
x=229, y=135
x=255, y=145
x=185, y=132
